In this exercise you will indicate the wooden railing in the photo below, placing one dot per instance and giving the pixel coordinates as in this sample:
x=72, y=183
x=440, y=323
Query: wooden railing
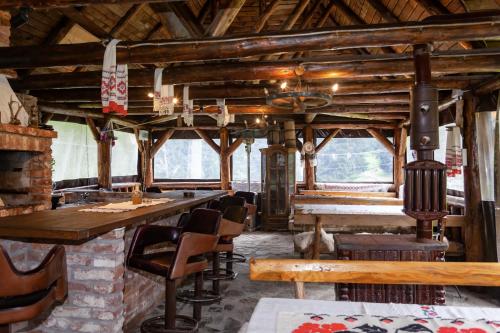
x=374, y=272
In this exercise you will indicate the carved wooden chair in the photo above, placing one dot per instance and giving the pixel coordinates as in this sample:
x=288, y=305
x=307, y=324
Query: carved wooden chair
x=26, y=295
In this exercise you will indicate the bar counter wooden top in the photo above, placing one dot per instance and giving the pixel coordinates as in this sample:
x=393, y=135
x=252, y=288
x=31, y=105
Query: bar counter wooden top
x=70, y=225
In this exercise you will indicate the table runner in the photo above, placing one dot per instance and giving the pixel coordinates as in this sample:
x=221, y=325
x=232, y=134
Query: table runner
x=265, y=316
x=120, y=207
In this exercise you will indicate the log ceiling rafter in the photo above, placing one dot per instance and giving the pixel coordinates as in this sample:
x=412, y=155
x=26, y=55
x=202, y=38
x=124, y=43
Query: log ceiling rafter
x=337, y=68
x=225, y=48
x=224, y=18
x=47, y=4
x=433, y=7
x=268, y=12
x=352, y=17
x=126, y=19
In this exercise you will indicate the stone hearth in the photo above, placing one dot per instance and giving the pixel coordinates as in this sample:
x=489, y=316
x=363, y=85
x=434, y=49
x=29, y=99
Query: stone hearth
x=25, y=169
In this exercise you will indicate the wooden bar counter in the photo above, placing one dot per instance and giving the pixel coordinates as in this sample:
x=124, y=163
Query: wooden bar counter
x=104, y=295
x=72, y=225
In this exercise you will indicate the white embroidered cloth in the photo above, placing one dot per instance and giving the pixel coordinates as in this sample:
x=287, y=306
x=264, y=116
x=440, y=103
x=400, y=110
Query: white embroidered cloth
x=119, y=207
x=114, y=84
x=187, y=107
x=266, y=314
x=163, y=100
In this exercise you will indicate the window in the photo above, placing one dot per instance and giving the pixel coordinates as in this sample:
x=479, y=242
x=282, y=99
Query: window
x=74, y=143
x=453, y=183
x=354, y=160
x=124, y=155
x=240, y=162
x=187, y=159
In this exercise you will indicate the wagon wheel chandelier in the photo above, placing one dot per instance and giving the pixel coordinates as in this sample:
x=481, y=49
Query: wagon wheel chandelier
x=299, y=98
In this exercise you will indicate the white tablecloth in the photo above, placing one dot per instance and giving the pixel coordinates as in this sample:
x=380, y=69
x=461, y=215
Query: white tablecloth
x=264, y=317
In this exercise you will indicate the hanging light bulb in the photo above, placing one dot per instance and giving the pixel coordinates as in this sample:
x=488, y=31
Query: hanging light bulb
x=335, y=87
x=283, y=85
x=151, y=95
x=257, y=120
x=175, y=100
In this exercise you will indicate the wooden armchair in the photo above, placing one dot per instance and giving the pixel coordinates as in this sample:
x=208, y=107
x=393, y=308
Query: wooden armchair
x=25, y=295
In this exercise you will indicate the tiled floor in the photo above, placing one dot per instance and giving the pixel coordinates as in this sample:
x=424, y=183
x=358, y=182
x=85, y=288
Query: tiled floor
x=241, y=295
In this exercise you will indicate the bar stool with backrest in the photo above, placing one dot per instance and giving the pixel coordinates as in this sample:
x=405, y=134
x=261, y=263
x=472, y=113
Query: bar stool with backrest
x=231, y=226
x=26, y=295
x=251, y=204
x=225, y=202
x=197, y=237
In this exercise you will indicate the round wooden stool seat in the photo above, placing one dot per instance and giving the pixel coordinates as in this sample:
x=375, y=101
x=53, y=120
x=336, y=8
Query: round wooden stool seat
x=184, y=324
x=207, y=297
x=236, y=258
x=224, y=274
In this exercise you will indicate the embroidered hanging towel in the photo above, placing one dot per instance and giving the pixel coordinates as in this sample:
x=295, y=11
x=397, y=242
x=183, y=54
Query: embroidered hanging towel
x=114, y=84
x=223, y=116
x=187, y=107
x=163, y=101
x=453, y=151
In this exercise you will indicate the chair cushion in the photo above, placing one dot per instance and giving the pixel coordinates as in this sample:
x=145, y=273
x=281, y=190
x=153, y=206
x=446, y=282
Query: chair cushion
x=159, y=263
x=23, y=300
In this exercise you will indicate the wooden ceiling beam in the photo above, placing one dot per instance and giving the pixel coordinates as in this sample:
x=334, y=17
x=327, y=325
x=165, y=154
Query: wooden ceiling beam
x=46, y=4
x=479, y=61
x=187, y=18
x=224, y=18
x=204, y=96
x=126, y=19
x=435, y=8
x=357, y=20
x=85, y=22
x=327, y=11
x=225, y=48
x=383, y=11
x=293, y=18
x=268, y=12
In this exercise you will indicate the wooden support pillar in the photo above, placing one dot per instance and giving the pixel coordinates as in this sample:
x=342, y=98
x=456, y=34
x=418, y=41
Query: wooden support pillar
x=309, y=169
x=225, y=167
x=104, y=179
x=400, y=135
x=474, y=250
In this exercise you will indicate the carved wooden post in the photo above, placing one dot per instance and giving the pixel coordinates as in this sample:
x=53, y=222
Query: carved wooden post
x=225, y=170
x=400, y=135
x=309, y=169
x=473, y=213
x=104, y=146
x=104, y=179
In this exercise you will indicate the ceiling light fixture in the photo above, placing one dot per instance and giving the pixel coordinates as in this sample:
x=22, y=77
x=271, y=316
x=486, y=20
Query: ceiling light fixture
x=299, y=98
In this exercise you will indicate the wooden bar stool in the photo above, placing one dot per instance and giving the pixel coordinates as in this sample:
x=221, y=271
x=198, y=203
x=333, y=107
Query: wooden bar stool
x=251, y=205
x=26, y=295
x=197, y=237
x=230, y=226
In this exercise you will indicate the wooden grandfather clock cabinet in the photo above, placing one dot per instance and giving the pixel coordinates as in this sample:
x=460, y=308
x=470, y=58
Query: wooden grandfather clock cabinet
x=278, y=183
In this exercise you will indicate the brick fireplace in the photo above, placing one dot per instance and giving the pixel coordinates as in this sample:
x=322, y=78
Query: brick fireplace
x=25, y=169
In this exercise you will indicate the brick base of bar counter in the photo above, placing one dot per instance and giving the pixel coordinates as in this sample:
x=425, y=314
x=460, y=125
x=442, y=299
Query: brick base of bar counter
x=103, y=296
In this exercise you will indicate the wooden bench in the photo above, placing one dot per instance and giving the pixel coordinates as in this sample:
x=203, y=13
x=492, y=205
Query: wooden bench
x=300, y=271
